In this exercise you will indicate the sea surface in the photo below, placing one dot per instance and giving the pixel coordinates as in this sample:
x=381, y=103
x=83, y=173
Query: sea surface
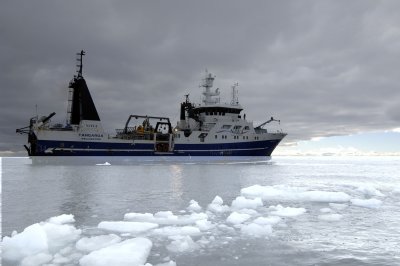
x=325, y=210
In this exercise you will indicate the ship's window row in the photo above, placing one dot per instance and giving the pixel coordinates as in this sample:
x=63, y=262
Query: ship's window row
x=215, y=113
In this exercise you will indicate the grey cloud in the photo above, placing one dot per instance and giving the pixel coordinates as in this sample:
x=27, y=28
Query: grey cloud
x=323, y=67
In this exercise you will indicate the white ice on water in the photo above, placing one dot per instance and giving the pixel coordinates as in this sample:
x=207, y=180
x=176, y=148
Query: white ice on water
x=126, y=253
x=237, y=218
x=89, y=244
x=284, y=193
x=279, y=210
x=130, y=241
x=367, y=203
x=332, y=217
x=127, y=227
x=103, y=164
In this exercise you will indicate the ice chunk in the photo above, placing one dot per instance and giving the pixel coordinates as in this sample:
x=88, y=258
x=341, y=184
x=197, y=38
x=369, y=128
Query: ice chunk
x=165, y=218
x=60, y=235
x=170, y=263
x=60, y=259
x=175, y=231
x=182, y=244
x=369, y=191
x=194, y=206
x=325, y=210
x=165, y=214
x=62, y=219
x=332, y=217
x=127, y=227
x=279, y=210
x=250, y=212
x=237, y=218
x=89, y=244
x=367, y=203
x=204, y=225
x=216, y=205
x=129, y=252
x=256, y=230
x=293, y=194
x=31, y=241
x=37, y=259
x=44, y=237
x=243, y=203
x=217, y=200
x=139, y=217
x=104, y=164
x=267, y=220
x=338, y=206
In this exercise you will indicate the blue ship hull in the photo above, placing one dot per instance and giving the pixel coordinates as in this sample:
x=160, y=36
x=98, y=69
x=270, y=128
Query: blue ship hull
x=73, y=148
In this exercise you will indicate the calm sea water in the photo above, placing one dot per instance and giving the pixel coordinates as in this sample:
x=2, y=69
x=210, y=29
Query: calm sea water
x=33, y=191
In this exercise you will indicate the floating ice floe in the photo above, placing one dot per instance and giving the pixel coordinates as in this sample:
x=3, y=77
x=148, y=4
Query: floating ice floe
x=279, y=210
x=62, y=219
x=194, y=206
x=325, y=210
x=256, y=230
x=165, y=218
x=243, y=203
x=217, y=206
x=237, y=218
x=39, y=240
x=367, y=203
x=127, y=227
x=129, y=252
x=338, y=206
x=369, y=191
x=177, y=231
x=396, y=191
x=57, y=242
x=182, y=244
x=267, y=220
x=103, y=164
x=332, y=217
x=293, y=194
x=204, y=225
x=89, y=244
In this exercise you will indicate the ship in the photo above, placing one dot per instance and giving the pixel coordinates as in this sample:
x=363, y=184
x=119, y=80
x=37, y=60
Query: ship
x=210, y=128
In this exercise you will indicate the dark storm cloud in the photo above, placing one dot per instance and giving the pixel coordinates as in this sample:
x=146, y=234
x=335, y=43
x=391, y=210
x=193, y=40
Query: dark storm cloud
x=323, y=67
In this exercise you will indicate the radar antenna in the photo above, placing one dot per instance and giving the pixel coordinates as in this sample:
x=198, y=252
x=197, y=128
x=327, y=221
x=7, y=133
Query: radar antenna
x=187, y=98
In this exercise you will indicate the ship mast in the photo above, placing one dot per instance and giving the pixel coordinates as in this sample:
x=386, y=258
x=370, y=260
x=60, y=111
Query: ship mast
x=235, y=98
x=79, y=66
x=207, y=85
x=79, y=59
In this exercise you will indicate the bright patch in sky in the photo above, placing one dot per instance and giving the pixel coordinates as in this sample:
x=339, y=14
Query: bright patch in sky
x=372, y=143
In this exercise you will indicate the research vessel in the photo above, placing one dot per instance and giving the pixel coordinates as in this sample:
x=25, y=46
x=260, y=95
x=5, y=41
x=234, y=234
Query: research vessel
x=210, y=128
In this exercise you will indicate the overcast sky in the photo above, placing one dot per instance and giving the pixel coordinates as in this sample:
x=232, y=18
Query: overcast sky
x=325, y=68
